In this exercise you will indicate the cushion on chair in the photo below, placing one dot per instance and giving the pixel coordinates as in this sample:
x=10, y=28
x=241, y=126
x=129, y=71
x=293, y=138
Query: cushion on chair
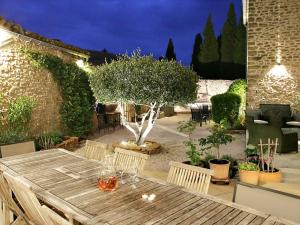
x=255, y=113
x=296, y=116
x=261, y=122
x=293, y=123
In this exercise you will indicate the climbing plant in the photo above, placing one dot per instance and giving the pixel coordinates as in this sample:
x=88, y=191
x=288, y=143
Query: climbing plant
x=76, y=110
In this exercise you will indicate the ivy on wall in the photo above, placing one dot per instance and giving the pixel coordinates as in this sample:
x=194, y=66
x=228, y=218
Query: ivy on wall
x=76, y=110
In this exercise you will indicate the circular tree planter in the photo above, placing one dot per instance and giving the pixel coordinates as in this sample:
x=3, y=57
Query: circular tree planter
x=221, y=170
x=149, y=147
x=269, y=177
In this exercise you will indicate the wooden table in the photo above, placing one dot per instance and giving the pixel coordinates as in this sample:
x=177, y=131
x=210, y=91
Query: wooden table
x=68, y=182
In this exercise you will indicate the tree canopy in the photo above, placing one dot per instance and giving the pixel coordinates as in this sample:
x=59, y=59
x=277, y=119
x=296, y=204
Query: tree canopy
x=143, y=80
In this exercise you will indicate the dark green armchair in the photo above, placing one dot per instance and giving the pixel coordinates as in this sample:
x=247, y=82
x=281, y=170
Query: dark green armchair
x=267, y=122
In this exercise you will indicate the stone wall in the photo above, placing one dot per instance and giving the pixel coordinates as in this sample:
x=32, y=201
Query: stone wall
x=19, y=78
x=273, y=27
x=207, y=89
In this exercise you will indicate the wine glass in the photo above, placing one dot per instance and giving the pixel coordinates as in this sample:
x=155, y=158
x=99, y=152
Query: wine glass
x=132, y=172
x=120, y=172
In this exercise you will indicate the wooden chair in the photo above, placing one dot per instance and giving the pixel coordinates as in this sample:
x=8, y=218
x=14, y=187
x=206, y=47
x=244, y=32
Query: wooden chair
x=36, y=213
x=17, y=149
x=126, y=159
x=94, y=150
x=10, y=213
x=193, y=178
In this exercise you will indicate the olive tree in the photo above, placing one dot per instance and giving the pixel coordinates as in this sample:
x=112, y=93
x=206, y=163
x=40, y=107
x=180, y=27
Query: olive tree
x=142, y=80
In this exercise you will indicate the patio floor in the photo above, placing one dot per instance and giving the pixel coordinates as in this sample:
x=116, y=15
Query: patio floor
x=171, y=140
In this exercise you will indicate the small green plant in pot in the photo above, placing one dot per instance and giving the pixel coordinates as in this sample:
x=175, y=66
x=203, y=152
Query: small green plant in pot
x=251, y=153
x=248, y=172
x=193, y=154
x=213, y=141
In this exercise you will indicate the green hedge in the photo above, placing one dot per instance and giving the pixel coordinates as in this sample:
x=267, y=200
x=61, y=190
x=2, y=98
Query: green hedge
x=225, y=107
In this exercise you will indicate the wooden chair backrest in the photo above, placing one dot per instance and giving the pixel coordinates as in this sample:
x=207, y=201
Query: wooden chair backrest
x=36, y=213
x=95, y=150
x=190, y=177
x=6, y=196
x=27, y=199
x=126, y=159
x=17, y=149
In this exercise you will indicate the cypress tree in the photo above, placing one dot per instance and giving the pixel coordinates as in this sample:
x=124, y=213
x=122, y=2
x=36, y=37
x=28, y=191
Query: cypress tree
x=209, y=55
x=196, y=51
x=228, y=45
x=228, y=36
x=170, y=53
x=240, y=44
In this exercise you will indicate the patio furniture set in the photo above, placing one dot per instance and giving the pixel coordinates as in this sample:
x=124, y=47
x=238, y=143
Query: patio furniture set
x=200, y=113
x=274, y=121
x=62, y=187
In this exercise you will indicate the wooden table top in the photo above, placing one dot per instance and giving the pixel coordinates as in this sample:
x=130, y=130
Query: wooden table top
x=69, y=183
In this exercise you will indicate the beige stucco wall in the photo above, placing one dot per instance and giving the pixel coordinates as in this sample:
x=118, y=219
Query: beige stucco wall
x=266, y=20
x=207, y=89
x=19, y=78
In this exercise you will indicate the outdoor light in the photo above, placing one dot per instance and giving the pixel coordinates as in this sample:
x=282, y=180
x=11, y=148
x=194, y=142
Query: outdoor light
x=80, y=63
x=4, y=36
x=279, y=71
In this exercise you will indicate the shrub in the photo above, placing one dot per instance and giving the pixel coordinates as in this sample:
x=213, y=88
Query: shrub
x=48, y=140
x=18, y=116
x=11, y=136
x=19, y=113
x=225, y=107
x=239, y=87
x=249, y=166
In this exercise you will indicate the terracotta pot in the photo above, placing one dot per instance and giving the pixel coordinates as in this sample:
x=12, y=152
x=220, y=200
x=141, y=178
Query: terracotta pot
x=220, y=168
x=109, y=108
x=269, y=177
x=250, y=177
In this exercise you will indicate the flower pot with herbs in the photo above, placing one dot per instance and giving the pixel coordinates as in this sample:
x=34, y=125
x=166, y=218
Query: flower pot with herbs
x=213, y=141
x=193, y=153
x=248, y=172
x=268, y=172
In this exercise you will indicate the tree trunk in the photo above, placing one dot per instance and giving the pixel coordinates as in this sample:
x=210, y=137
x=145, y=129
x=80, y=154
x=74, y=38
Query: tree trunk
x=140, y=132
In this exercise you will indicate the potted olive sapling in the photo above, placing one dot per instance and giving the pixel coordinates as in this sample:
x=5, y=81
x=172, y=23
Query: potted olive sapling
x=213, y=141
x=248, y=172
x=193, y=153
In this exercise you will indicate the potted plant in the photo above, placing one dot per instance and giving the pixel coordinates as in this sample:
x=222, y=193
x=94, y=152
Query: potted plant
x=214, y=140
x=268, y=172
x=193, y=154
x=248, y=172
x=251, y=153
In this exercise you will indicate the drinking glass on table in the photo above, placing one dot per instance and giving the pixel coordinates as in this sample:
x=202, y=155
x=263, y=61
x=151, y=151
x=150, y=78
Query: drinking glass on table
x=120, y=172
x=133, y=172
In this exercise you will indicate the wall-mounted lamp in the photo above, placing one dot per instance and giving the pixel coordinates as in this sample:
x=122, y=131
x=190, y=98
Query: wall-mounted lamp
x=4, y=36
x=80, y=63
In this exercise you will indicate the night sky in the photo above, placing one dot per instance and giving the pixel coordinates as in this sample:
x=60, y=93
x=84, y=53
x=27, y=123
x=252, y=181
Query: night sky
x=120, y=25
